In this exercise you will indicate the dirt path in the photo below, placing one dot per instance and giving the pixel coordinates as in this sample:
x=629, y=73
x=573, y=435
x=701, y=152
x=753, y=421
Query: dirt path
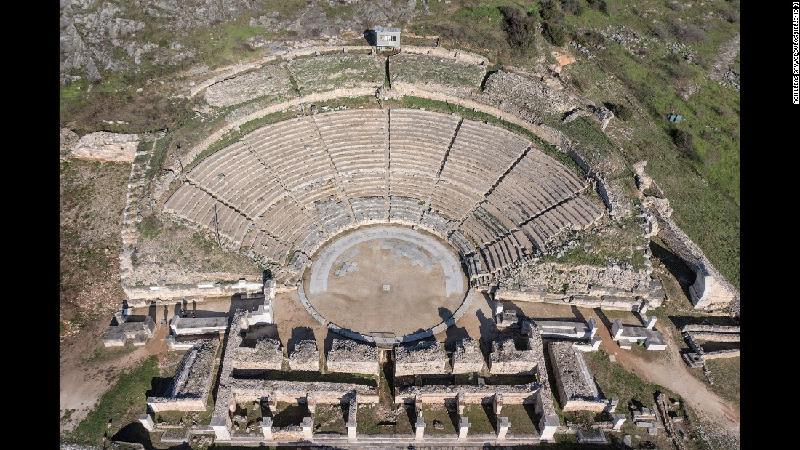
x=673, y=374
x=83, y=382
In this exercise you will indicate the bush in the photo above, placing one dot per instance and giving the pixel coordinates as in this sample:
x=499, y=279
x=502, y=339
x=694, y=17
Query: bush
x=550, y=11
x=554, y=32
x=519, y=27
x=150, y=227
x=573, y=7
x=621, y=111
x=687, y=32
x=589, y=39
x=683, y=140
x=599, y=5
x=553, y=25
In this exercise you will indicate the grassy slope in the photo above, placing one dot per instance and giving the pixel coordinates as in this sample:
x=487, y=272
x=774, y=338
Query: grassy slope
x=92, y=198
x=703, y=186
x=119, y=406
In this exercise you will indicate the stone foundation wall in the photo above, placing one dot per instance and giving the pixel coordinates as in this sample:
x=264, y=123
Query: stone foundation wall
x=159, y=404
x=423, y=358
x=305, y=356
x=105, y=146
x=349, y=356
x=505, y=359
x=467, y=357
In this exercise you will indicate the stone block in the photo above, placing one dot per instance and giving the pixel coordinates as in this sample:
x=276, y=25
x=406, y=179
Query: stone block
x=266, y=428
x=502, y=427
x=463, y=428
x=147, y=422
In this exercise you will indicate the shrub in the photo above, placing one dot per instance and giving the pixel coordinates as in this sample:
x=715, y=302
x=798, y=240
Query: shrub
x=589, y=39
x=553, y=25
x=573, y=7
x=687, y=32
x=549, y=10
x=519, y=27
x=554, y=32
x=683, y=140
x=599, y=5
x=621, y=111
x=150, y=227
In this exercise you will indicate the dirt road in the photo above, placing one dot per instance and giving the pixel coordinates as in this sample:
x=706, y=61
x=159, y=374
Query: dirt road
x=673, y=374
x=83, y=382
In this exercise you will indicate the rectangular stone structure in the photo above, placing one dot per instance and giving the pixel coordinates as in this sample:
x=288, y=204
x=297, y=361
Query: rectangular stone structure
x=220, y=427
x=502, y=427
x=463, y=428
x=308, y=428
x=147, y=422
x=266, y=428
x=547, y=426
x=419, y=428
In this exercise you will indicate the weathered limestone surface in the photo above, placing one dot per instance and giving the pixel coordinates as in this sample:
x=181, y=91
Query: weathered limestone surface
x=68, y=139
x=350, y=356
x=576, y=387
x=272, y=80
x=305, y=356
x=264, y=354
x=192, y=382
x=614, y=287
x=467, y=357
x=505, y=359
x=105, y=146
x=424, y=357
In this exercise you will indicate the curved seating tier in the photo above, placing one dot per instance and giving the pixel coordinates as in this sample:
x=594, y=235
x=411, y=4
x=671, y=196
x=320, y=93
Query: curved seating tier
x=283, y=190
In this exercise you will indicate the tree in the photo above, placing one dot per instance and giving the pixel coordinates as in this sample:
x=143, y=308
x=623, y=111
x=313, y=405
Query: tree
x=520, y=27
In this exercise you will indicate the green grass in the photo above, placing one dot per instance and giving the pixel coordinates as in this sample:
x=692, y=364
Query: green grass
x=157, y=157
x=617, y=243
x=478, y=420
x=116, y=405
x=367, y=421
x=438, y=413
x=702, y=186
x=615, y=381
x=477, y=27
x=328, y=72
x=150, y=227
x=726, y=374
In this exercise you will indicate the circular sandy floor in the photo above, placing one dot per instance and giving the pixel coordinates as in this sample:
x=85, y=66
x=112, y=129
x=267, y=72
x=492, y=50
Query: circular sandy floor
x=385, y=279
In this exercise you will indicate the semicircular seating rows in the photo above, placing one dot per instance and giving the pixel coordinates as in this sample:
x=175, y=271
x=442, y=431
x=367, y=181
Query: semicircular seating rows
x=281, y=191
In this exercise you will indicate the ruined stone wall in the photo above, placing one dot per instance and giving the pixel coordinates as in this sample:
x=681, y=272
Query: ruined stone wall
x=141, y=296
x=424, y=357
x=349, y=356
x=192, y=382
x=105, y=146
x=246, y=390
x=505, y=359
x=576, y=388
x=613, y=287
x=177, y=404
x=305, y=356
x=266, y=354
x=710, y=288
x=475, y=395
x=544, y=401
x=467, y=357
